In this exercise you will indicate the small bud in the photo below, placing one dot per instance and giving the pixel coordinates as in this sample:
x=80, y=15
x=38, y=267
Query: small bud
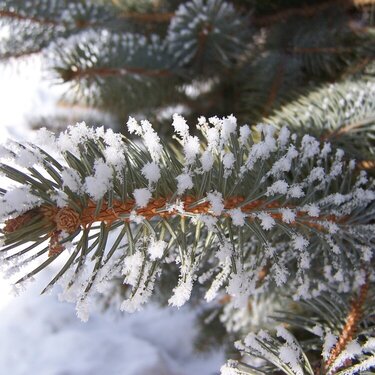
x=67, y=220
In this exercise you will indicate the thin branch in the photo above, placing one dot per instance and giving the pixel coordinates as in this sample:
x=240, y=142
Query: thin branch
x=21, y=17
x=148, y=17
x=330, y=50
x=21, y=54
x=351, y=325
x=346, y=129
x=68, y=220
x=275, y=87
x=113, y=72
x=306, y=11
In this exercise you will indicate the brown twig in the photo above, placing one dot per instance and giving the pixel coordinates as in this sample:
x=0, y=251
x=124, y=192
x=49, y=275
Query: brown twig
x=21, y=17
x=275, y=87
x=351, y=325
x=158, y=207
x=312, y=50
x=306, y=11
x=346, y=129
x=148, y=17
x=113, y=72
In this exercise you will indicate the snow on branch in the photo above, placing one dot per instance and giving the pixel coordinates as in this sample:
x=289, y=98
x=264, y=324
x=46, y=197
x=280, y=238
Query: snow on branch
x=277, y=211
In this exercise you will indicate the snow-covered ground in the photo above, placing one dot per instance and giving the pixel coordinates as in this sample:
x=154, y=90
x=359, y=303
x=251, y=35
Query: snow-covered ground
x=40, y=335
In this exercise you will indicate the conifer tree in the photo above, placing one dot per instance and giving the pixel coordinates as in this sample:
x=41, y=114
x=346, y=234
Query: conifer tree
x=255, y=197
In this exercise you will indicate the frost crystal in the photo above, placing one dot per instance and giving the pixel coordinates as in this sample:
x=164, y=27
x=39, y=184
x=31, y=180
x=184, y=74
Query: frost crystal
x=288, y=215
x=96, y=186
x=184, y=182
x=180, y=125
x=207, y=161
x=278, y=187
x=191, y=149
x=238, y=217
x=142, y=196
x=284, y=135
x=182, y=292
x=216, y=200
x=229, y=126
x=329, y=341
x=245, y=133
x=209, y=221
x=156, y=249
x=133, y=126
x=266, y=220
x=299, y=242
x=151, y=171
x=71, y=180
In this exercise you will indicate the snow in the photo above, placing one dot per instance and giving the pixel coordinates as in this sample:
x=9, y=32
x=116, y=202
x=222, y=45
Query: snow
x=96, y=186
x=133, y=126
x=295, y=191
x=288, y=355
x=299, y=242
x=207, y=161
x=191, y=149
x=245, y=133
x=156, y=249
x=229, y=127
x=180, y=126
x=288, y=215
x=238, y=217
x=228, y=160
x=18, y=199
x=329, y=342
x=278, y=187
x=151, y=171
x=50, y=339
x=209, y=221
x=71, y=180
x=266, y=220
x=151, y=140
x=216, y=200
x=184, y=182
x=212, y=138
x=309, y=147
x=182, y=292
x=284, y=135
x=142, y=196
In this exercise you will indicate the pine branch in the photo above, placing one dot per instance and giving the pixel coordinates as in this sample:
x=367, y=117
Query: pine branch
x=315, y=322
x=305, y=205
x=342, y=114
x=350, y=328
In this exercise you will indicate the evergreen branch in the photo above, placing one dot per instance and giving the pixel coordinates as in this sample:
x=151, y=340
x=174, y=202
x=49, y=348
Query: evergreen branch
x=305, y=204
x=315, y=322
x=349, y=126
x=201, y=34
x=351, y=326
